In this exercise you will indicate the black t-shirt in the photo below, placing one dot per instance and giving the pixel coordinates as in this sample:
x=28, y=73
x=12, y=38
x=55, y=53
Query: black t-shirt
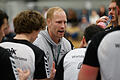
x=91, y=57
x=6, y=70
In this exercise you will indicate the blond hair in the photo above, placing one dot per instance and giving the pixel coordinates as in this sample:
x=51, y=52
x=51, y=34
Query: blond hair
x=51, y=11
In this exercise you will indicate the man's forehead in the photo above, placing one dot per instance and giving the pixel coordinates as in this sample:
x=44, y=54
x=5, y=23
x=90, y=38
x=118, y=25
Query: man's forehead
x=112, y=5
x=59, y=12
x=60, y=17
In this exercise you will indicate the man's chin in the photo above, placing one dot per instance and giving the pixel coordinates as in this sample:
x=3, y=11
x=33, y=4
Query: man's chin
x=61, y=36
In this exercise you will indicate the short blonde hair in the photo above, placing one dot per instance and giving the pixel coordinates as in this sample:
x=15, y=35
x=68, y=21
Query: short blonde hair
x=51, y=11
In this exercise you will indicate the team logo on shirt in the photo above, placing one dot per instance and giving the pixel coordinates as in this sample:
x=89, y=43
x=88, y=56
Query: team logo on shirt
x=13, y=53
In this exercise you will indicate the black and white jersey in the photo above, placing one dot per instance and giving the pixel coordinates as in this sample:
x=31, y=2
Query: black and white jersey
x=70, y=65
x=103, y=52
x=27, y=56
x=6, y=70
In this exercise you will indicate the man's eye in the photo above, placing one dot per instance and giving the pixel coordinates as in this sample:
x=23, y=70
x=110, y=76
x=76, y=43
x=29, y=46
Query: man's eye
x=65, y=22
x=114, y=8
x=58, y=22
x=109, y=9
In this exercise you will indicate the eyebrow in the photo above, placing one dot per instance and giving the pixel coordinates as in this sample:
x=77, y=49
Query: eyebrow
x=112, y=7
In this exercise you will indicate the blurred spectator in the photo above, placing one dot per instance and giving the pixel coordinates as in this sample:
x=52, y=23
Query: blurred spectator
x=93, y=17
x=84, y=23
x=84, y=13
x=102, y=11
x=74, y=34
x=72, y=17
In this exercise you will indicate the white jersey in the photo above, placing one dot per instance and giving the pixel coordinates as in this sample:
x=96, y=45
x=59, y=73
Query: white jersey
x=109, y=56
x=69, y=66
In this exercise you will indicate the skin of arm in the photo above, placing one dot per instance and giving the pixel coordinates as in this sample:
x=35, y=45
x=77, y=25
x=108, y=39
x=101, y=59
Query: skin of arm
x=88, y=72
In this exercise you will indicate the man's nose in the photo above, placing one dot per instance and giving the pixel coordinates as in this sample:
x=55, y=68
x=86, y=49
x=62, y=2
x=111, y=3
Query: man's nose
x=63, y=25
x=3, y=34
x=111, y=11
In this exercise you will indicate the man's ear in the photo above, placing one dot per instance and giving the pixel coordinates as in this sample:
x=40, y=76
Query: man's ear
x=84, y=39
x=118, y=10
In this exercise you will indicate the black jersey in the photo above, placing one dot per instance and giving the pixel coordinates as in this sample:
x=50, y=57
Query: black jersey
x=27, y=56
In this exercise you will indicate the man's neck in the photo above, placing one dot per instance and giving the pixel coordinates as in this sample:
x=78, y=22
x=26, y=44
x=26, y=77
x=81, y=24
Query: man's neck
x=114, y=24
x=22, y=37
x=55, y=39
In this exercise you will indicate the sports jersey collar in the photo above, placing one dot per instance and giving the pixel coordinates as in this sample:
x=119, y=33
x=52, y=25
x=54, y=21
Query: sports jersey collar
x=18, y=41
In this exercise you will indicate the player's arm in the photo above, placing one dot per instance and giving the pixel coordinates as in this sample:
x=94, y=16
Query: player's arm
x=88, y=72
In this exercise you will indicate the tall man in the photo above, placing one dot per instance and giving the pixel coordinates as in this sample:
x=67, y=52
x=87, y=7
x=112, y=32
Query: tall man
x=103, y=54
x=52, y=40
